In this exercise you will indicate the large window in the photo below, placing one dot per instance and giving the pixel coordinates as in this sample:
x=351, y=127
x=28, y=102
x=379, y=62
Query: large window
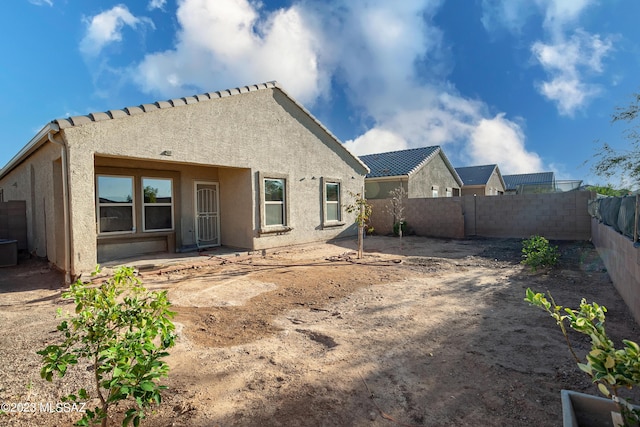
x=115, y=204
x=157, y=204
x=274, y=201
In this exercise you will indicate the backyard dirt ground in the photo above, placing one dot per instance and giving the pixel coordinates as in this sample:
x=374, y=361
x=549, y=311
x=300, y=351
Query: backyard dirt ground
x=421, y=332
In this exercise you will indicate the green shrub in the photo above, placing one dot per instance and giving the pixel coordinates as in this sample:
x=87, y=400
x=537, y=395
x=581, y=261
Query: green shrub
x=123, y=331
x=611, y=368
x=396, y=228
x=537, y=252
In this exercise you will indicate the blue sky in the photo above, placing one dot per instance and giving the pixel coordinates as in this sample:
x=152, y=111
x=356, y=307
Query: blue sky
x=527, y=84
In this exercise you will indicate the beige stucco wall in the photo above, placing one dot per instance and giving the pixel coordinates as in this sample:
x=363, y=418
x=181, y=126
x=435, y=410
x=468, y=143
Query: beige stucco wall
x=262, y=131
x=434, y=173
x=36, y=182
x=380, y=188
x=494, y=183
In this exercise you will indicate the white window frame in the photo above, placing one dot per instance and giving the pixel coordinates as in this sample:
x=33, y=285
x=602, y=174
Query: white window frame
x=286, y=217
x=144, y=205
x=325, y=221
x=132, y=205
x=434, y=191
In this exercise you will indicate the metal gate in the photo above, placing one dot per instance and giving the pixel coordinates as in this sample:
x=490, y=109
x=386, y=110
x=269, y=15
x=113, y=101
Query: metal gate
x=207, y=214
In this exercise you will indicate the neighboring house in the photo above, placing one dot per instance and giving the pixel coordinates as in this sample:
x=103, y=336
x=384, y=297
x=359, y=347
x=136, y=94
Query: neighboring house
x=246, y=168
x=483, y=180
x=539, y=182
x=423, y=172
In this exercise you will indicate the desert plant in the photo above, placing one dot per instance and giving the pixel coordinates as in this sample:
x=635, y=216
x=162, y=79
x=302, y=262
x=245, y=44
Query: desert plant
x=123, y=331
x=537, y=252
x=610, y=368
x=362, y=211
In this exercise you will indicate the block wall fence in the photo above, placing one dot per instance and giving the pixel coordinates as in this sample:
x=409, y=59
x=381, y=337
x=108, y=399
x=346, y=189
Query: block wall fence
x=557, y=216
x=622, y=260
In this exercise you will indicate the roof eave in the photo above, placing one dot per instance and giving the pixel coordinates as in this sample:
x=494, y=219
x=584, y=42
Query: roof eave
x=32, y=146
x=387, y=178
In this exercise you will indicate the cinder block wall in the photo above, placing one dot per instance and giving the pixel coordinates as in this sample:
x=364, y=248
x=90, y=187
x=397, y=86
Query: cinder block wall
x=433, y=217
x=557, y=216
x=622, y=261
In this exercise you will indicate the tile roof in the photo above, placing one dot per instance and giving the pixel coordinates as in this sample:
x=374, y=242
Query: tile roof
x=171, y=103
x=476, y=175
x=512, y=181
x=396, y=163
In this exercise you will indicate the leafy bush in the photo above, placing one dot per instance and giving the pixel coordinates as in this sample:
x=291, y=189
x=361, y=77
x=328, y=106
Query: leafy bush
x=610, y=368
x=123, y=331
x=537, y=252
x=396, y=228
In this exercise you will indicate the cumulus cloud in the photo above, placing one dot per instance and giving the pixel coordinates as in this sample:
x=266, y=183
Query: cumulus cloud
x=569, y=55
x=156, y=4
x=566, y=63
x=228, y=42
x=467, y=134
x=106, y=27
x=371, y=48
x=501, y=141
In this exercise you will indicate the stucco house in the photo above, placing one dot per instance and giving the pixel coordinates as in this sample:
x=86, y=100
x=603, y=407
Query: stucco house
x=485, y=180
x=246, y=168
x=537, y=182
x=423, y=172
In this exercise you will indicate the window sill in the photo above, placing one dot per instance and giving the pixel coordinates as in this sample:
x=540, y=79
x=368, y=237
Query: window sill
x=277, y=229
x=333, y=224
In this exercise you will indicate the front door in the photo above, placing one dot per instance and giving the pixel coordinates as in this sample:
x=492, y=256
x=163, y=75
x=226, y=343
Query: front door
x=207, y=214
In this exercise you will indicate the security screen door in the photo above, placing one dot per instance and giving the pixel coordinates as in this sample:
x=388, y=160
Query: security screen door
x=207, y=214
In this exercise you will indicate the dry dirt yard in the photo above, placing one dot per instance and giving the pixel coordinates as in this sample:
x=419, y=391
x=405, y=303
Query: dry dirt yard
x=421, y=332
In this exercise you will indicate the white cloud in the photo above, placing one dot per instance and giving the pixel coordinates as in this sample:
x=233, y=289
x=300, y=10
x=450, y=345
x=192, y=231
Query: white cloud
x=567, y=63
x=106, y=27
x=569, y=56
x=41, y=2
x=376, y=140
x=371, y=47
x=156, y=4
x=514, y=14
x=501, y=141
x=227, y=42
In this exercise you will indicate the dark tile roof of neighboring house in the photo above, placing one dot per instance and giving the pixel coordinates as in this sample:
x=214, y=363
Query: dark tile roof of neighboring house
x=396, y=163
x=476, y=175
x=512, y=181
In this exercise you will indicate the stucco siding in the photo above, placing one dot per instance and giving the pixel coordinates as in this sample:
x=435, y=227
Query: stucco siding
x=380, y=189
x=236, y=208
x=33, y=182
x=227, y=140
x=434, y=173
x=495, y=184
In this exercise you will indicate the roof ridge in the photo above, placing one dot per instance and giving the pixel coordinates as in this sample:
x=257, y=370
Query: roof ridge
x=72, y=121
x=400, y=151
